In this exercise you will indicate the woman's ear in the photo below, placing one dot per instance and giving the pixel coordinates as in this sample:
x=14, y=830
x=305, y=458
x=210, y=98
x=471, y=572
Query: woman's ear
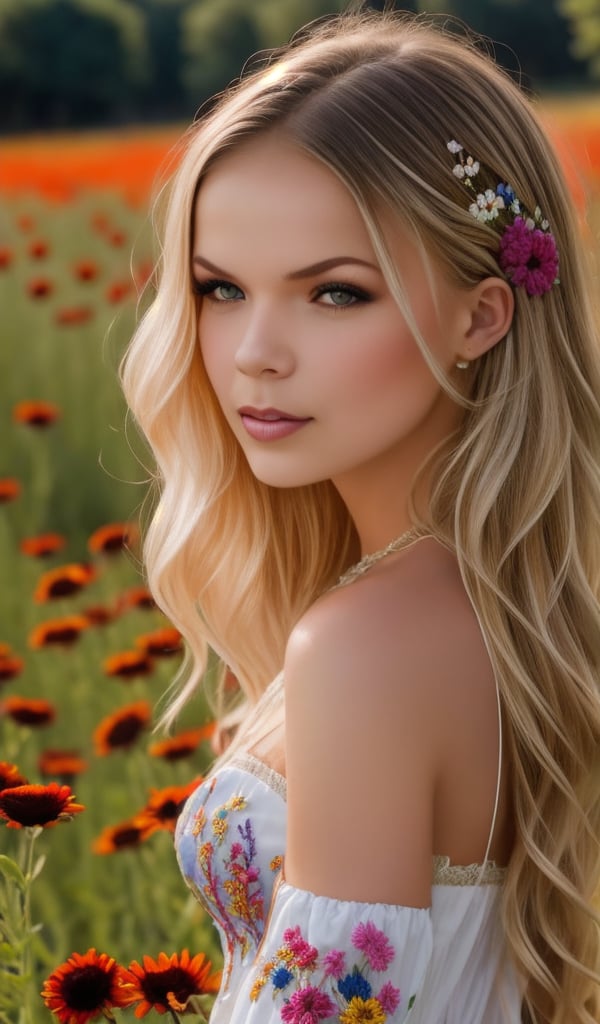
x=492, y=307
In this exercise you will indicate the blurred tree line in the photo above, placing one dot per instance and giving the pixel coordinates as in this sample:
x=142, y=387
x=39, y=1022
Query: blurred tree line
x=67, y=63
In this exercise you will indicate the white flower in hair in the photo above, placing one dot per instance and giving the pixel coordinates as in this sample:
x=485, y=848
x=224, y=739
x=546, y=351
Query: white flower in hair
x=459, y=171
x=471, y=167
x=487, y=205
x=454, y=146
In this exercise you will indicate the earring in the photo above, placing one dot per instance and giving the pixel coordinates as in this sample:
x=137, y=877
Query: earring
x=462, y=364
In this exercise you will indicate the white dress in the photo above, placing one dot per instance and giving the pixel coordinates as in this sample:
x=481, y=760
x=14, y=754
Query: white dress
x=301, y=958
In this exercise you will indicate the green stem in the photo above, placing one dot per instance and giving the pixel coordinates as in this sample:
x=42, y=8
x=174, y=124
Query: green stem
x=26, y=959
x=174, y=1016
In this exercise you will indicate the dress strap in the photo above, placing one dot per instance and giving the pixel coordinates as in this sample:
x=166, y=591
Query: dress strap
x=498, y=782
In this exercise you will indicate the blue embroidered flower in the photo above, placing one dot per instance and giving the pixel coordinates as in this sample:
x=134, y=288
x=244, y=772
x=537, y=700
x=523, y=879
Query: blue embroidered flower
x=281, y=977
x=355, y=984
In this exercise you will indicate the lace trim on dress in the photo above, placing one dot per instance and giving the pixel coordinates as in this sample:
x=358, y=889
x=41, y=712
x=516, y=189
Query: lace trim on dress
x=444, y=873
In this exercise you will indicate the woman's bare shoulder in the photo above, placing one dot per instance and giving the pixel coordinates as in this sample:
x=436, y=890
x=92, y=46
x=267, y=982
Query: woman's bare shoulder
x=407, y=621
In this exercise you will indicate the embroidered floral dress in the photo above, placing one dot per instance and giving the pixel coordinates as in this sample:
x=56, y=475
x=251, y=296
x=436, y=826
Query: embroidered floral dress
x=301, y=958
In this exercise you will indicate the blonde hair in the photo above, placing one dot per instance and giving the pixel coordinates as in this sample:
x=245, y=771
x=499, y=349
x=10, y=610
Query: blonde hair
x=516, y=494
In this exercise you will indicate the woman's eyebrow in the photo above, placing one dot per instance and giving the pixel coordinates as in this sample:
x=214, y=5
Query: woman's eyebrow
x=311, y=271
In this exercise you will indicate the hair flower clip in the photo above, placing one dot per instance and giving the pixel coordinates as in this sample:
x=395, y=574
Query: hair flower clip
x=528, y=253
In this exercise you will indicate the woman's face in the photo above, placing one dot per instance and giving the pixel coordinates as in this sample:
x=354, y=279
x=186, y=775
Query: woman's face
x=312, y=362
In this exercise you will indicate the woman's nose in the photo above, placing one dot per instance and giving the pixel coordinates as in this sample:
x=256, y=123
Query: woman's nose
x=264, y=347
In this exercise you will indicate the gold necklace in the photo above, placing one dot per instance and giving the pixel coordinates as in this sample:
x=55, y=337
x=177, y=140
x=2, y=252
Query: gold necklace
x=368, y=560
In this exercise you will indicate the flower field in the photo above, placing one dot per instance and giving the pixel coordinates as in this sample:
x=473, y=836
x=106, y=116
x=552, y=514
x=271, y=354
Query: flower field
x=84, y=654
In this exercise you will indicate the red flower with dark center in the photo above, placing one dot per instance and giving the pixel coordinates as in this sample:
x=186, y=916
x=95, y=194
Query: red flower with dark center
x=117, y=291
x=70, y=316
x=168, y=982
x=43, y=545
x=98, y=615
x=6, y=257
x=85, y=987
x=128, y=664
x=44, y=806
x=122, y=728
x=165, y=805
x=40, y=288
x=10, y=776
x=58, y=632
x=136, y=597
x=10, y=668
x=64, y=763
x=28, y=711
x=175, y=748
x=112, y=538
x=9, y=489
x=63, y=582
x=36, y=414
x=127, y=835
x=161, y=643
x=86, y=270
x=38, y=250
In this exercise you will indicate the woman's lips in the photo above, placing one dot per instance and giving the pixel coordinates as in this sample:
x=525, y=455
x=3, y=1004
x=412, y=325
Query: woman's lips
x=270, y=424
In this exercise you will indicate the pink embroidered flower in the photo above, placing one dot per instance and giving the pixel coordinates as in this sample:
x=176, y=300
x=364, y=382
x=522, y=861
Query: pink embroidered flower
x=334, y=963
x=378, y=950
x=389, y=997
x=305, y=955
x=529, y=257
x=307, y=1006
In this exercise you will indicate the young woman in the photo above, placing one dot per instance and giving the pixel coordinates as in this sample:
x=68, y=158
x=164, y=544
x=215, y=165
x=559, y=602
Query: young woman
x=372, y=343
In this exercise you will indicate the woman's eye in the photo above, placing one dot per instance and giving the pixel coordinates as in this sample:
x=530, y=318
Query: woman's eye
x=218, y=291
x=340, y=296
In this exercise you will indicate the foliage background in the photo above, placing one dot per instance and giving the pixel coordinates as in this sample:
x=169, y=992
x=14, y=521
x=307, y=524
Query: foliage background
x=140, y=69
x=82, y=62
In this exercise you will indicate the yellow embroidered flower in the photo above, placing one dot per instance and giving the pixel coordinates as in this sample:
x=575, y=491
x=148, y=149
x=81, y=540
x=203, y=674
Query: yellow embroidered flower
x=199, y=822
x=276, y=862
x=256, y=988
x=363, y=1011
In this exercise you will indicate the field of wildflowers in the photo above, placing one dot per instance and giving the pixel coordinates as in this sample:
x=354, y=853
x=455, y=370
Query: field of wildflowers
x=94, y=910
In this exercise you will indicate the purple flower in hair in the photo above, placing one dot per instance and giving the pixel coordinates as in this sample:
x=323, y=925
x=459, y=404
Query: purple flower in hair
x=529, y=257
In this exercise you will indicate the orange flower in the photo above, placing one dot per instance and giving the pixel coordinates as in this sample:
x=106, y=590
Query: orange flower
x=69, y=316
x=43, y=545
x=10, y=776
x=65, y=763
x=6, y=257
x=127, y=664
x=58, y=632
x=85, y=987
x=45, y=806
x=168, y=982
x=40, y=288
x=9, y=489
x=27, y=711
x=165, y=805
x=38, y=249
x=161, y=643
x=126, y=835
x=121, y=729
x=185, y=743
x=112, y=538
x=86, y=270
x=64, y=581
x=136, y=597
x=10, y=667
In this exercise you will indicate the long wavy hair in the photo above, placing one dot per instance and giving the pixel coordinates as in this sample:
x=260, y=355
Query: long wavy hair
x=516, y=493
